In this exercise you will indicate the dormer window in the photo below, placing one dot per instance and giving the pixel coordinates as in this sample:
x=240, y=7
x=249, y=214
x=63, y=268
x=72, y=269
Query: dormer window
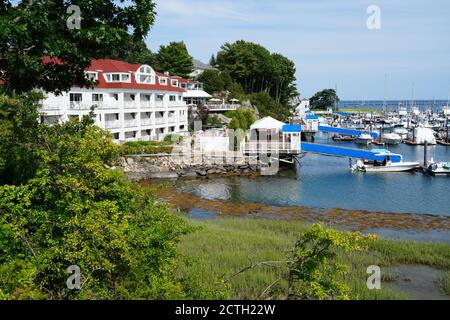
x=163, y=81
x=145, y=74
x=174, y=83
x=117, y=77
x=92, y=75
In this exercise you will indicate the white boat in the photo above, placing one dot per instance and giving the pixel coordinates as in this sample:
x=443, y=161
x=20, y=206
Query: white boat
x=439, y=168
x=364, y=138
x=392, y=163
x=401, y=131
x=421, y=135
x=391, y=138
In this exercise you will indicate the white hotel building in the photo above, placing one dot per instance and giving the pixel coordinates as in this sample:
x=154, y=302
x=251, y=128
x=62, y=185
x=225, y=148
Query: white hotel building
x=131, y=101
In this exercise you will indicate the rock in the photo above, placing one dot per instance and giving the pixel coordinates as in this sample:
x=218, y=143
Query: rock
x=163, y=175
x=130, y=161
x=202, y=173
x=246, y=171
x=212, y=171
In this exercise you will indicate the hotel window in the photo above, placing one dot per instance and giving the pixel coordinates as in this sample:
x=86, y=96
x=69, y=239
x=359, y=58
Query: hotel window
x=125, y=77
x=163, y=81
x=76, y=97
x=172, y=98
x=115, y=96
x=116, y=136
x=133, y=97
x=97, y=97
x=147, y=97
x=115, y=77
x=174, y=83
x=159, y=97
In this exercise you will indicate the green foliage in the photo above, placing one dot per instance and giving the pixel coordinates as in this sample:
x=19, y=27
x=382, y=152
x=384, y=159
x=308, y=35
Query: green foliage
x=76, y=211
x=147, y=147
x=212, y=81
x=313, y=270
x=18, y=132
x=133, y=50
x=265, y=103
x=241, y=119
x=324, y=99
x=175, y=59
x=30, y=30
x=257, y=70
x=445, y=284
x=214, y=121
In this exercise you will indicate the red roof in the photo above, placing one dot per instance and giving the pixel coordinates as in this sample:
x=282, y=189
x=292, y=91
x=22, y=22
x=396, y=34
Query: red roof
x=108, y=65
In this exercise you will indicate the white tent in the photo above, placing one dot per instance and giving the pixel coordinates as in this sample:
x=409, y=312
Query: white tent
x=196, y=94
x=267, y=123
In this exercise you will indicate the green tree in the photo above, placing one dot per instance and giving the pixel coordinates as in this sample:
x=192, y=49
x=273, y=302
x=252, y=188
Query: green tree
x=314, y=272
x=31, y=30
x=175, y=59
x=18, y=132
x=133, y=51
x=212, y=81
x=324, y=99
x=77, y=211
x=241, y=119
x=265, y=103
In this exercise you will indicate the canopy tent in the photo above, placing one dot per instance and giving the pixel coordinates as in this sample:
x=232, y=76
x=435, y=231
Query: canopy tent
x=196, y=94
x=267, y=123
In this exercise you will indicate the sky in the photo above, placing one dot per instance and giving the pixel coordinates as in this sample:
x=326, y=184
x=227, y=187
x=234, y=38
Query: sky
x=328, y=40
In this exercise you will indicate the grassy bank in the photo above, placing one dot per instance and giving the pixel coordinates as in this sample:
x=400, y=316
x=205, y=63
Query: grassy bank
x=219, y=248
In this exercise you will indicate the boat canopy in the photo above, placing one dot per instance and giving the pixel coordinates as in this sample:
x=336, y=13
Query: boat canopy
x=292, y=128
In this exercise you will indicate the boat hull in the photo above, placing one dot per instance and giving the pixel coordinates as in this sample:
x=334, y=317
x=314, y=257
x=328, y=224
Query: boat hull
x=394, y=167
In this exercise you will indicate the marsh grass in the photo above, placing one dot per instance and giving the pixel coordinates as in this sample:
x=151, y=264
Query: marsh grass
x=222, y=247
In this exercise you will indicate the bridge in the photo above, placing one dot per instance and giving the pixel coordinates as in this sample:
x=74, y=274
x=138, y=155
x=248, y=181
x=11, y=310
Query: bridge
x=331, y=150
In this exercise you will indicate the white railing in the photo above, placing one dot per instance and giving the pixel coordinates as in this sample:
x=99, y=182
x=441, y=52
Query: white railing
x=272, y=147
x=130, y=105
x=80, y=106
x=222, y=107
x=49, y=107
x=160, y=121
x=172, y=120
x=130, y=123
x=159, y=104
x=146, y=122
x=112, y=124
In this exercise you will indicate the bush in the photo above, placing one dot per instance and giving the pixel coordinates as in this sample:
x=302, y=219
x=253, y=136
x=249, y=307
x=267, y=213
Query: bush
x=76, y=211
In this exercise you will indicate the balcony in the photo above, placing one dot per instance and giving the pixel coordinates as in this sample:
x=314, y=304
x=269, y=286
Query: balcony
x=146, y=122
x=75, y=105
x=130, y=105
x=112, y=124
x=159, y=104
x=222, y=107
x=160, y=121
x=131, y=123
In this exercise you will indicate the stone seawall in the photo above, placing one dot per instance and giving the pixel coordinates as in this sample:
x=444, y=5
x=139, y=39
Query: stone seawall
x=168, y=167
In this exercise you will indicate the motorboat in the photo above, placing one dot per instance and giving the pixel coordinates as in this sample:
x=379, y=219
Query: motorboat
x=392, y=162
x=401, y=131
x=364, y=138
x=438, y=168
x=391, y=138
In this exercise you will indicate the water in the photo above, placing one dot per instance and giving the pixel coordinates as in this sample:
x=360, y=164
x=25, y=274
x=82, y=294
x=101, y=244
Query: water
x=393, y=105
x=327, y=182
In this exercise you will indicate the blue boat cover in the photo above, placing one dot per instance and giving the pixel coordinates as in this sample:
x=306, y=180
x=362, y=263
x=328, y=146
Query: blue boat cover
x=331, y=150
x=349, y=132
x=292, y=128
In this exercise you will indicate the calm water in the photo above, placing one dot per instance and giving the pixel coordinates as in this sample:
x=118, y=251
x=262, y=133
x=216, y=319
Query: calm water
x=327, y=182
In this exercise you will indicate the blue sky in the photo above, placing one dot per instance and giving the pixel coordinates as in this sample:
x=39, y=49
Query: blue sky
x=327, y=39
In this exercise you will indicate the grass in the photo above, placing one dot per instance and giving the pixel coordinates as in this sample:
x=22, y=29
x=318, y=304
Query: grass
x=219, y=248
